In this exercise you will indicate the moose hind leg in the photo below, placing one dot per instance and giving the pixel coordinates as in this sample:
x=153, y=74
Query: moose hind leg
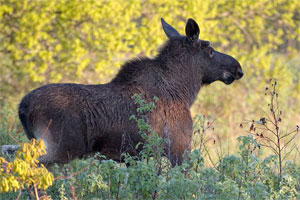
x=63, y=144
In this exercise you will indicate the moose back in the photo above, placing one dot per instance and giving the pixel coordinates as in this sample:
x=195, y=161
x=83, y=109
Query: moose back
x=94, y=118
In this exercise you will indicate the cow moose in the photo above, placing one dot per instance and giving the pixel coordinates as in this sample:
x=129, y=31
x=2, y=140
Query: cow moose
x=93, y=118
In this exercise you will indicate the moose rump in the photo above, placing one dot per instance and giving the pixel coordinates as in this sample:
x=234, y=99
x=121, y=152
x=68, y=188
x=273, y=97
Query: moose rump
x=75, y=120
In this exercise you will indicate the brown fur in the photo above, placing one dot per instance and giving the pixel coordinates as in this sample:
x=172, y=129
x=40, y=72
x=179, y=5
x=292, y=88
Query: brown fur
x=94, y=118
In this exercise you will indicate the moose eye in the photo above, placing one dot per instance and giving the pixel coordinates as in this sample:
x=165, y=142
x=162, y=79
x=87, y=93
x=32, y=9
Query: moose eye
x=211, y=53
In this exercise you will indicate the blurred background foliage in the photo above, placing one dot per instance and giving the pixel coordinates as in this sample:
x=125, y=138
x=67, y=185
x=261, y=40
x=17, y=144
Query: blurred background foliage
x=86, y=42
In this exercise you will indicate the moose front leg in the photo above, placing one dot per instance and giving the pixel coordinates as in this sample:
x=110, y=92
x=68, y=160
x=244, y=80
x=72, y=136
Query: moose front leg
x=179, y=138
x=175, y=124
x=177, y=147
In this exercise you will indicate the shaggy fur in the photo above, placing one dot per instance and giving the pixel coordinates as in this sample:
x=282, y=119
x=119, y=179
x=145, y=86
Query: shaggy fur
x=95, y=118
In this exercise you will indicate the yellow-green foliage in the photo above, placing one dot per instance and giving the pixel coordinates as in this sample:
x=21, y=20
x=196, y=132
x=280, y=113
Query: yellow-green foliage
x=24, y=171
x=51, y=41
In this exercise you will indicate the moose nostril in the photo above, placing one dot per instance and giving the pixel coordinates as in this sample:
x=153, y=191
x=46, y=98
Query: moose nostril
x=240, y=73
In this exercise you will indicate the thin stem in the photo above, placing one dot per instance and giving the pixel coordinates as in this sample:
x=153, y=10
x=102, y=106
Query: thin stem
x=210, y=159
x=272, y=148
x=36, y=193
x=269, y=140
x=292, y=138
x=288, y=134
x=288, y=153
x=20, y=192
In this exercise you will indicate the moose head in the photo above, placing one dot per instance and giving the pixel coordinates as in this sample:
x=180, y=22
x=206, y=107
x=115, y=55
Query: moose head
x=210, y=64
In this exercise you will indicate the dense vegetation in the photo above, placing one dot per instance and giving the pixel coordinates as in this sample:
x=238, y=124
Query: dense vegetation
x=71, y=41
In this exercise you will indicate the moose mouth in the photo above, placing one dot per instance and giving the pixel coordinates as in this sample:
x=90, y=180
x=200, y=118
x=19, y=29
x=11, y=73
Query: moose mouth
x=228, y=78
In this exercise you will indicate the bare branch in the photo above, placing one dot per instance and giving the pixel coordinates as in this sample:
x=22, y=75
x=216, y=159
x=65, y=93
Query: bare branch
x=43, y=135
x=272, y=148
x=76, y=173
x=288, y=134
x=291, y=139
x=289, y=152
x=269, y=140
x=20, y=192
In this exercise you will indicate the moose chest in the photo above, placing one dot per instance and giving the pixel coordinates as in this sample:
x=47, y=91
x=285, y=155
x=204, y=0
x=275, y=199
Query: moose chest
x=172, y=120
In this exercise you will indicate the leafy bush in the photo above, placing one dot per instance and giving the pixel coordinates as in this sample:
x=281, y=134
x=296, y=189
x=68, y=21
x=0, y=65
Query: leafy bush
x=24, y=171
x=243, y=176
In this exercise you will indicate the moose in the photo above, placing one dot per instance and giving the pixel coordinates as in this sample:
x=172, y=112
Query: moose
x=93, y=118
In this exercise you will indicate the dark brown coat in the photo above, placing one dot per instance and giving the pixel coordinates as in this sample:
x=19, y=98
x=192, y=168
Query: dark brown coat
x=93, y=118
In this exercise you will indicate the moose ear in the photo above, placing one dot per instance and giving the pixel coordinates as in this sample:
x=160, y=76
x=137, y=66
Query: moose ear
x=169, y=30
x=192, y=30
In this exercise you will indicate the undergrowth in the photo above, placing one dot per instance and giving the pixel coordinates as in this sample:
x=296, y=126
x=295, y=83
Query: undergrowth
x=10, y=127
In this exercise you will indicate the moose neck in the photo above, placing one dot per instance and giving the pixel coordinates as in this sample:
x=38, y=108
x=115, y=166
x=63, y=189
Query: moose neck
x=172, y=75
x=183, y=80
